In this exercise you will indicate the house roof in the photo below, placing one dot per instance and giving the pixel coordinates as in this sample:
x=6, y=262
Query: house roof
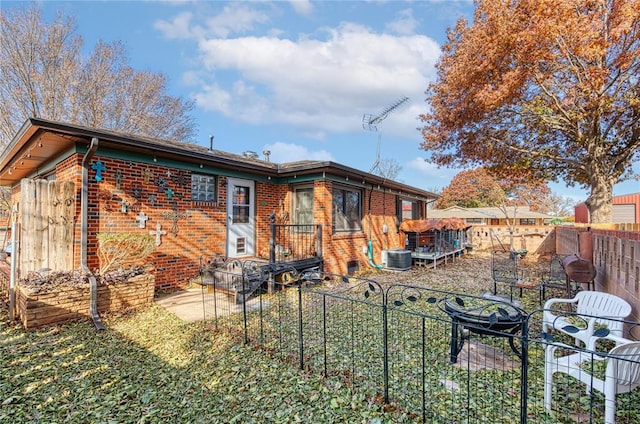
x=457, y=212
x=39, y=142
x=487, y=213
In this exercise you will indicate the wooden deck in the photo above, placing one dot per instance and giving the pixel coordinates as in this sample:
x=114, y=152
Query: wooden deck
x=433, y=259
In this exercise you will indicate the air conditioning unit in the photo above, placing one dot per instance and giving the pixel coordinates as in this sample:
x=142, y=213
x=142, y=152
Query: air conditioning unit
x=396, y=259
x=384, y=258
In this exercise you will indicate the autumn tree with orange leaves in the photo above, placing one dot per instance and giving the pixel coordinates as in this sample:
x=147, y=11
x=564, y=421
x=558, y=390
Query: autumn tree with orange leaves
x=474, y=188
x=477, y=188
x=546, y=90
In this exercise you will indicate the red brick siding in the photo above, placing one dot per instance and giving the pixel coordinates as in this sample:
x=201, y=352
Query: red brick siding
x=70, y=169
x=341, y=248
x=200, y=228
x=203, y=232
x=270, y=198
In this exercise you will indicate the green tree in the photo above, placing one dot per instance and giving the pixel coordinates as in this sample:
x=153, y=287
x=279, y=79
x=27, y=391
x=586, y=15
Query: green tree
x=44, y=75
x=543, y=89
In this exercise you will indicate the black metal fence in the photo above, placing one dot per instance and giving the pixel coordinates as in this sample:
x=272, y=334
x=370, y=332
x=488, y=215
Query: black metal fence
x=436, y=356
x=295, y=242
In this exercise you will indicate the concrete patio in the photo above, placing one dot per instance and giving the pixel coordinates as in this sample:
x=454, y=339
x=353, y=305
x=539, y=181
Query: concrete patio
x=185, y=304
x=188, y=304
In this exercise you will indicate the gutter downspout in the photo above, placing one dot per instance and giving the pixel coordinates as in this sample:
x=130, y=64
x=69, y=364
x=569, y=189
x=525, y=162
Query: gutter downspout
x=369, y=241
x=84, y=228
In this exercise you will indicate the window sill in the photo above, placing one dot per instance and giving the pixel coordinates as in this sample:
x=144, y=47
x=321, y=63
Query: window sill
x=202, y=203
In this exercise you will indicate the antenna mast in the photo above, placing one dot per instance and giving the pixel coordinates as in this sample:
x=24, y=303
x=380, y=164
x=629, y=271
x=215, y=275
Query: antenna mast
x=371, y=122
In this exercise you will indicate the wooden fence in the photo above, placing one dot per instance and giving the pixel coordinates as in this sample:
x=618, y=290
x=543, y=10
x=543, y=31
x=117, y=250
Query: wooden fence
x=46, y=225
x=537, y=239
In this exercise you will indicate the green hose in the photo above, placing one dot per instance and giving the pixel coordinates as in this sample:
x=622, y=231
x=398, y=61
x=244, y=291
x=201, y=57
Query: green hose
x=370, y=250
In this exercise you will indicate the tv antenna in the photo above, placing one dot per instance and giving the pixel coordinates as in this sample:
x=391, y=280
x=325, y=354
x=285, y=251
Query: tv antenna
x=371, y=122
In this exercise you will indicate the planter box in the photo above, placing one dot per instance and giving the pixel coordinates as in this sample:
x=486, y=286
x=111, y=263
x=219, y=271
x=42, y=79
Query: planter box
x=72, y=303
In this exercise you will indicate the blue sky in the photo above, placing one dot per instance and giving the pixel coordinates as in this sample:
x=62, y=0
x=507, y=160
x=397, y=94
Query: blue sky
x=292, y=77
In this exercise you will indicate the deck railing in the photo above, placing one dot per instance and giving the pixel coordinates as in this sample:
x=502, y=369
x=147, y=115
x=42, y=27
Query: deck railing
x=295, y=242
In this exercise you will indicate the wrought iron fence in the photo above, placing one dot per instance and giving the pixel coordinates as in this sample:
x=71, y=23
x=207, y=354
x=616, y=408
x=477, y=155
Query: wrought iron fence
x=436, y=356
x=291, y=242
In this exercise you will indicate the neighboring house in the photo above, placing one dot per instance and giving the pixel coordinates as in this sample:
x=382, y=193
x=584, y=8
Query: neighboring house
x=494, y=216
x=625, y=210
x=194, y=201
x=490, y=228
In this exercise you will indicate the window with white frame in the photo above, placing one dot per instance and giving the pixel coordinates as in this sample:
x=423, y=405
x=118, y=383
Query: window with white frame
x=203, y=188
x=347, y=209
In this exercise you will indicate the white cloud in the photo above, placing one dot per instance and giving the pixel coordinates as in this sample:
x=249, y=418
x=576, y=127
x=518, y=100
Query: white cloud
x=302, y=7
x=289, y=152
x=179, y=27
x=404, y=24
x=317, y=84
x=235, y=18
x=431, y=170
x=421, y=173
x=213, y=98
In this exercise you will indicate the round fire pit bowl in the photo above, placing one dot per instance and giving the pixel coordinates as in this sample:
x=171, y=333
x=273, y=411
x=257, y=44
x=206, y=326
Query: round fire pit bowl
x=485, y=316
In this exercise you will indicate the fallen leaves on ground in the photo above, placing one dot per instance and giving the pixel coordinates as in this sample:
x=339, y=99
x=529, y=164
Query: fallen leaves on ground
x=151, y=367
x=148, y=366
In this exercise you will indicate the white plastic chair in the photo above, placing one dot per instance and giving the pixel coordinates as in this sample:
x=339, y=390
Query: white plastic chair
x=622, y=373
x=591, y=308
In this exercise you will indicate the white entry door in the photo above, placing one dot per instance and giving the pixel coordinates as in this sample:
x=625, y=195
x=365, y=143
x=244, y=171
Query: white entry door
x=240, y=218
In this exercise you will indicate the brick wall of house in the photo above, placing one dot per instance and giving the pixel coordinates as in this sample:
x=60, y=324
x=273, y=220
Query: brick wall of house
x=270, y=198
x=195, y=229
x=190, y=229
x=70, y=169
x=199, y=230
x=343, y=249
x=383, y=217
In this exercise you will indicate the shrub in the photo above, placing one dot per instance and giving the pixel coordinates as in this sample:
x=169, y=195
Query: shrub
x=117, y=250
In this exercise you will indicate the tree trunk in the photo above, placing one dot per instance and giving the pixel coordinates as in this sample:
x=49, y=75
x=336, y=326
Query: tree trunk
x=600, y=202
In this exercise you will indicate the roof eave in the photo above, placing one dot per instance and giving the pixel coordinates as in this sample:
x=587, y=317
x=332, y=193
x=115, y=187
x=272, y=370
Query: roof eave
x=160, y=148
x=306, y=168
